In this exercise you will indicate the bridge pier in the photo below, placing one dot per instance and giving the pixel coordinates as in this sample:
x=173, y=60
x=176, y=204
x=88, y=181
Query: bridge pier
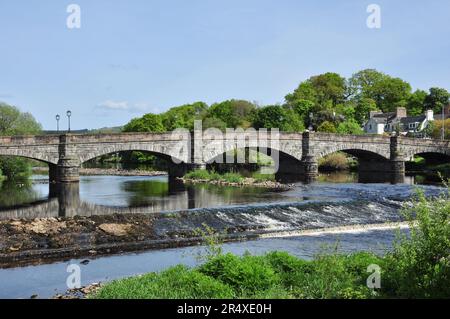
x=309, y=169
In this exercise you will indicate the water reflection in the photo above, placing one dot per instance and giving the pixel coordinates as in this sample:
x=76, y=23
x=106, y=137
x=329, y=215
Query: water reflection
x=101, y=195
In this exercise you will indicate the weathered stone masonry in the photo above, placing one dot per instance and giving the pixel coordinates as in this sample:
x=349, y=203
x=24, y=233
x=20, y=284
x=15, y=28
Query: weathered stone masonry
x=298, y=153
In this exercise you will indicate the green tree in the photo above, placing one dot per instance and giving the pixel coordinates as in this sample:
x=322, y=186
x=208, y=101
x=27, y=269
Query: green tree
x=14, y=122
x=436, y=99
x=326, y=127
x=147, y=123
x=363, y=108
x=183, y=116
x=275, y=116
x=321, y=91
x=349, y=127
x=387, y=92
x=416, y=103
x=235, y=113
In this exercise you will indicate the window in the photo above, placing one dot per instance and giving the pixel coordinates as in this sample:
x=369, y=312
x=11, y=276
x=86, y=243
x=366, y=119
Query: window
x=413, y=125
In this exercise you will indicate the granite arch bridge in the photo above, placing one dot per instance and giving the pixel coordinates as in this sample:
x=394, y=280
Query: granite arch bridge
x=298, y=152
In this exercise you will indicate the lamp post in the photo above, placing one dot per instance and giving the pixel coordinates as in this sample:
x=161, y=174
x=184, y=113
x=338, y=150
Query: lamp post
x=69, y=114
x=443, y=124
x=311, y=116
x=57, y=122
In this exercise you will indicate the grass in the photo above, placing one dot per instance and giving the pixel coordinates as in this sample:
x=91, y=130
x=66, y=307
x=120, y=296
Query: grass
x=274, y=275
x=417, y=267
x=214, y=176
x=205, y=175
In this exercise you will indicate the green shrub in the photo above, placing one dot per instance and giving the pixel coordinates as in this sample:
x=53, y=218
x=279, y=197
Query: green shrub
x=232, y=178
x=198, y=174
x=247, y=275
x=335, y=161
x=175, y=283
x=419, y=266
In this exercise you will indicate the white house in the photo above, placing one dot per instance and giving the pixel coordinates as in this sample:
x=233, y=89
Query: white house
x=380, y=123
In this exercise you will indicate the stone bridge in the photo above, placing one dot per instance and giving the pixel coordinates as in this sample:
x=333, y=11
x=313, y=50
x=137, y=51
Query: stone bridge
x=298, y=153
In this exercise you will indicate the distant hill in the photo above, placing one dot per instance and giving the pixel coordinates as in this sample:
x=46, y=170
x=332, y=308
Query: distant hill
x=103, y=130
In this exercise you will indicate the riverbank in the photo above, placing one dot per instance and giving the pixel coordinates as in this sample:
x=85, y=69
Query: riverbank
x=417, y=267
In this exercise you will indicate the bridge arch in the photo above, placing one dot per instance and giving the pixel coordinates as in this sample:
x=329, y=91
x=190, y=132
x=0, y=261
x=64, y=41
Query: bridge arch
x=157, y=150
x=30, y=154
x=360, y=152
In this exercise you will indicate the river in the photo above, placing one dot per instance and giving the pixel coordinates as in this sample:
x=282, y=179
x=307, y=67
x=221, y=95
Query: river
x=335, y=200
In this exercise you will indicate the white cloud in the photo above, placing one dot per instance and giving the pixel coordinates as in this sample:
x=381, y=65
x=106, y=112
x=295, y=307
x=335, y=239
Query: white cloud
x=140, y=107
x=115, y=105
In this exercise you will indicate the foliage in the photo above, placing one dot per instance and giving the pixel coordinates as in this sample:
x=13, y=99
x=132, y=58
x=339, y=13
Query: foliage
x=437, y=99
x=183, y=116
x=349, y=127
x=234, y=113
x=148, y=123
x=275, y=116
x=175, y=283
x=14, y=122
x=387, y=92
x=326, y=127
x=419, y=266
x=334, y=161
x=214, y=176
x=436, y=129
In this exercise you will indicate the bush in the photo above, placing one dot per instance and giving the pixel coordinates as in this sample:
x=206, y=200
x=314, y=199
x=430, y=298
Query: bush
x=337, y=162
x=175, y=283
x=232, y=178
x=419, y=266
x=326, y=127
x=214, y=176
x=247, y=275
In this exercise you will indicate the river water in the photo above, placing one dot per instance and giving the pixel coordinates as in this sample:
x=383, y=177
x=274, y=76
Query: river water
x=335, y=201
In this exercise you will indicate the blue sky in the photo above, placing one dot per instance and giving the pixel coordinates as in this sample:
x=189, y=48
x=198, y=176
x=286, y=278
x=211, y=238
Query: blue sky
x=136, y=56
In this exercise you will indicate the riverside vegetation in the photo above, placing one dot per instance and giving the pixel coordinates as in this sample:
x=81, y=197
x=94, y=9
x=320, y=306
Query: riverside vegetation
x=418, y=266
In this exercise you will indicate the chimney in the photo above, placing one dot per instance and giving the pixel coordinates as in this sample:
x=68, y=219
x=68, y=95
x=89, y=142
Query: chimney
x=401, y=112
x=372, y=113
x=429, y=115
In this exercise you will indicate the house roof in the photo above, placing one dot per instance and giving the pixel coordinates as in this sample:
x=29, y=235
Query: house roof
x=413, y=119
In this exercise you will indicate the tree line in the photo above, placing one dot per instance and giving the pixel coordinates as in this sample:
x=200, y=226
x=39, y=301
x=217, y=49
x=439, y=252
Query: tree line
x=326, y=103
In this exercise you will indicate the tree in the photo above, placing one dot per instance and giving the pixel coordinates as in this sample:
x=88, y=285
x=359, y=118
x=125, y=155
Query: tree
x=235, y=113
x=363, y=108
x=321, y=91
x=183, y=116
x=275, y=116
x=326, y=127
x=387, y=92
x=349, y=127
x=148, y=123
x=416, y=103
x=14, y=122
x=436, y=99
